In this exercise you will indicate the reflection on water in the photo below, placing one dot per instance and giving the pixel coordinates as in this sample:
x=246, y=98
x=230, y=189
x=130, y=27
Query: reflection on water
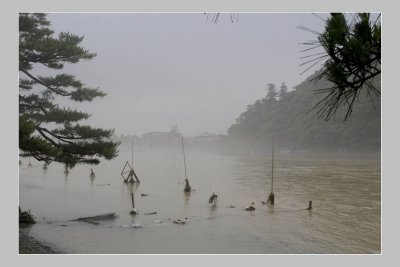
x=346, y=214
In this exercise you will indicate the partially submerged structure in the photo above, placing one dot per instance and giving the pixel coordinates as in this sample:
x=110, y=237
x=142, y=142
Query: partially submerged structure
x=271, y=196
x=128, y=173
x=213, y=199
x=187, y=188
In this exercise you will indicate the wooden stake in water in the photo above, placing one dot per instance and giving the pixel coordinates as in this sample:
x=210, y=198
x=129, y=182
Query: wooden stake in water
x=271, y=196
x=272, y=170
x=133, y=201
x=132, y=154
x=133, y=211
x=187, y=186
x=212, y=181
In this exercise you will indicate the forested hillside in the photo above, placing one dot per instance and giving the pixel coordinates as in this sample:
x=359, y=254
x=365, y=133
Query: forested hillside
x=284, y=119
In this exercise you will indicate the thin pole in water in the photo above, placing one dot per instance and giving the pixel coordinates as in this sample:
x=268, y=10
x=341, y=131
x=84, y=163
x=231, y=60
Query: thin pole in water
x=184, y=158
x=132, y=154
x=133, y=201
x=272, y=170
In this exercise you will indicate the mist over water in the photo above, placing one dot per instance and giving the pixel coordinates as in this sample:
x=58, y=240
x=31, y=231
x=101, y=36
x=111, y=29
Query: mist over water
x=346, y=195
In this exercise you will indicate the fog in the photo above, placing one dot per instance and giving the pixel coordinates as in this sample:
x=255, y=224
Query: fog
x=168, y=75
x=163, y=69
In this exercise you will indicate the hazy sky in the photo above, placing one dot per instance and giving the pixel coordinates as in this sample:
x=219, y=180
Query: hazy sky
x=162, y=69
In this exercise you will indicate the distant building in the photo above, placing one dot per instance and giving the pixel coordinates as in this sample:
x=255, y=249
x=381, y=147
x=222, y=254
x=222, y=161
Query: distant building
x=207, y=137
x=161, y=138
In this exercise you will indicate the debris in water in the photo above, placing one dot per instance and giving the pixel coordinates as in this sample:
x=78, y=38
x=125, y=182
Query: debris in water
x=151, y=213
x=137, y=225
x=133, y=211
x=232, y=207
x=134, y=225
x=179, y=221
x=143, y=195
x=94, y=219
x=213, y=199
x=251, y=207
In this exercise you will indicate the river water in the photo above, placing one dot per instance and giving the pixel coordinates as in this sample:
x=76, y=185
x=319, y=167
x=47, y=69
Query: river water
x=346, y=214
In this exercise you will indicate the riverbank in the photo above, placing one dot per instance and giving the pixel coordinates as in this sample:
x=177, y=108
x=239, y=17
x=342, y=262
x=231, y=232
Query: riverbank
x=29, y=245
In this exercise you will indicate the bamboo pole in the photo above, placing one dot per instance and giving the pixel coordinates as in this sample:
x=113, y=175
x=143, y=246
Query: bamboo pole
x=271, y=196
x=272, y=170
x=184, y=158
x=132, y=154
x=187, y=186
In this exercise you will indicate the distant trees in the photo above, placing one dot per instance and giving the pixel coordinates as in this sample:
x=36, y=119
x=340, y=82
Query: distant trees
x=285, y=122
x=271, y=91
x=282, y=90
x=353, y=61
x=47, y=131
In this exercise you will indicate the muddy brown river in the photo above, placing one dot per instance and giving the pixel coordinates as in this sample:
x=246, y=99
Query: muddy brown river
x=346, y=214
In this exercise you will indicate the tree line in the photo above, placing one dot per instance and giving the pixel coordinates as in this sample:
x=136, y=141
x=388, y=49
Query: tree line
x=284, y=118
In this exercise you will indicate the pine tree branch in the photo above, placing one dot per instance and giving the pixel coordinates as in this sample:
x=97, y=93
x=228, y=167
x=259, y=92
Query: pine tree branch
x=45, y=85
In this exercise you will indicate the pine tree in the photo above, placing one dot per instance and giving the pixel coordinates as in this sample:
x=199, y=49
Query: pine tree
x=271, y=91
x=47, y=131
x=352, y=61
x=282, y=90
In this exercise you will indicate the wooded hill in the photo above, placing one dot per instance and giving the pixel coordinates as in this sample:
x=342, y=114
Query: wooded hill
x=287, y=122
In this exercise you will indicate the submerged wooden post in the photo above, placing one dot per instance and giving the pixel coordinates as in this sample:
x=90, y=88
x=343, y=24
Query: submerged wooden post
x=272, y=170
x=271, y=196
x=132, y=154
x=187, y=185
x=309, y=205
x=133, y=211
x=213, y=199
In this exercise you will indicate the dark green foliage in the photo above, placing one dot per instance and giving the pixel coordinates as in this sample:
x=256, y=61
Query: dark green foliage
x=353, y=61
x=271, y=91
x=47, y=131
x=282, y=90
x=25, y=217
x=286, y=123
